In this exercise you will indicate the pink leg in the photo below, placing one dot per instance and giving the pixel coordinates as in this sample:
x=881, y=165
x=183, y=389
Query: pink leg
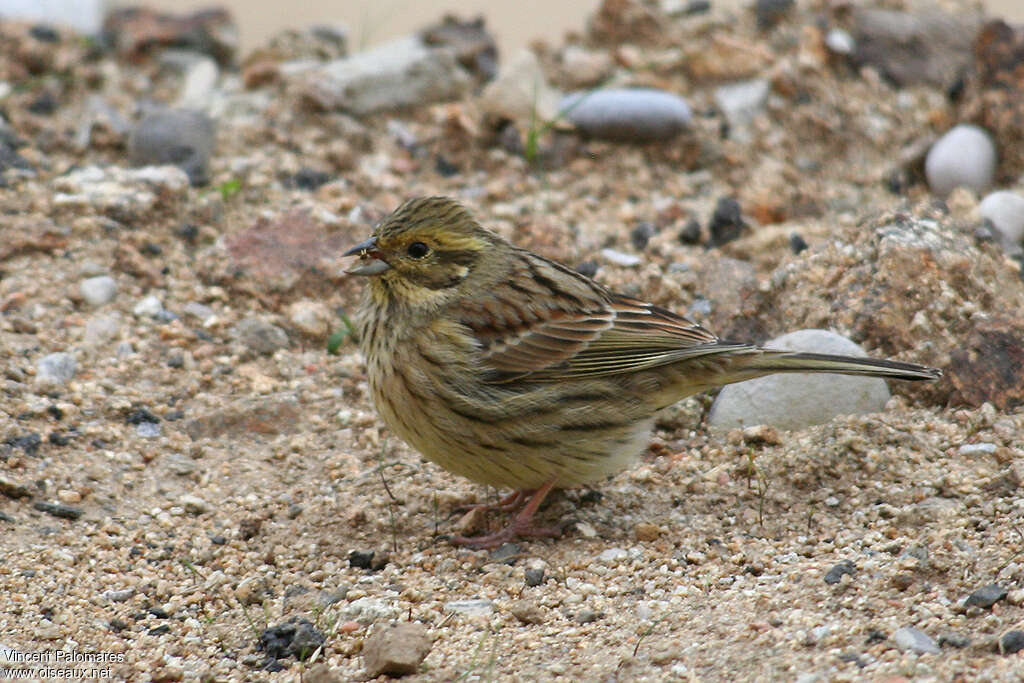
x=506, y=504
x=519, y=527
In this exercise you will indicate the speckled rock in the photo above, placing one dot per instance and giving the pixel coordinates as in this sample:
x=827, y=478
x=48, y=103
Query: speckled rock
x=794, y=401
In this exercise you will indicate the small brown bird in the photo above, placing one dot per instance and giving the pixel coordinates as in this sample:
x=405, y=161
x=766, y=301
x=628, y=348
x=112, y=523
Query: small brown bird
x=515, y=371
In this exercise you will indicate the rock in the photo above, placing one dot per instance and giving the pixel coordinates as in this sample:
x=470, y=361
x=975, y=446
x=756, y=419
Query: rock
x=910, y=48
x=470, y=608
x=771, y=12
x=964, y=157
x=369, y=610
x=636, y=115
x=520, y=93
x=122, y=595
x=987, y=365
x=321, y=673
x=194, y=505
x=56, y=369
x=136, y=31
x=474, y=47
x=740, y=103
x=101, y=329
x=533, y=576
x=584, y=68
x=985, y=597
x=148, y=307
x=396, y=649
x=311, y=318
x=641, y=234
x=622, y=259
x=838, y=571
x=98, y=290
x=910, y=639
x=840, y=42
x=794, y=401
x=1005, y=210
x=13, y=489
x=127, y=195
x=526, y=612
x=726, y=222
x=1011, y=643
x=957, y=640
x=612, y=556
x=200, y=82
x=179, y=137
x=297, y=638
x=401, y=73
x=267, y=416
x=260, y=335
x=58, y=510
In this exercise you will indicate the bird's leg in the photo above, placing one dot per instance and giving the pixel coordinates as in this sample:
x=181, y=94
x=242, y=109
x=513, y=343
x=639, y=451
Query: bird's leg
x=507, y=504
x=519, y=527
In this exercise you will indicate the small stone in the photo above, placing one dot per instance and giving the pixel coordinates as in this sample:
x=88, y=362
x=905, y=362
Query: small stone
x=1016, y=597
x=260, y=335
x=194, y=505
x=627, y=115
x=311, y=318
x=58, y=510
x=470, y=608
x=726, y=222
x=369, y=610
x=771, y=12
x=956, y=640
x=396, y=649
x=13, y=489
x=587, y=616
x=122, y=595
x=148, y=307
x=179, y=137
x=520, y=93
x=201, y=311
x=797, y=243
x=69, y=496
x=622, y=259
x=977, y=449
x=297, y=638
x=1005, y=211
x=98, y=290
x=533, y=577
x=642, y=234
x=690, y=232
x=321, y=673
x=584, y=68
x=56, y=369
x=910, y=639
x=964, y=157
x=526, y=612
x=645, y=531
x=838, y=571
x=1012, y=642
x=612, y=556
x=985, y=597
x=740, y=103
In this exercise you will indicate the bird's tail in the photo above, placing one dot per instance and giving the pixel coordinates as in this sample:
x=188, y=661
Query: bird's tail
x=766, y=362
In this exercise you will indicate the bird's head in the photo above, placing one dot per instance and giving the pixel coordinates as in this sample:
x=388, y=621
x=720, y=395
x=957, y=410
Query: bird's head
x=428, y=251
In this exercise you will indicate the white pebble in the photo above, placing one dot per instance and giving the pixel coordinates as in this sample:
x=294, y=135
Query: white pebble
x=150, y=307
x=618, y=258
x=56, y=369
x=98, y=290
x=964, y=157
x=1005, y=210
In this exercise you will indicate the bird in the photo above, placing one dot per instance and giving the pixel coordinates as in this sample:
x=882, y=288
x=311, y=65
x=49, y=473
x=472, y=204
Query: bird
x=515, y=371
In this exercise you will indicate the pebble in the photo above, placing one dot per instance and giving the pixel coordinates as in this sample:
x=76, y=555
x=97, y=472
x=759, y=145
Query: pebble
x=297, y=638
x=794, y=401
x=985, y=597
x=612, y=556
x=771, y=12
x=311, y=318
x=976, y=449
x=635, y=115
x=964, y=157
x=194, y=505
x=101, y=329
x=396, y=649
x=148, y=307
x=838, y=571
x=956, y=640
x=69, y=496
x=177, y=137
x=201, y=311
x=641, y=234
x=401, y=73
x=56, y=369
x=910, y=639
x=533, y=577
x=198, y=85
x=587, y=616
x=520, y=93
x=470, y=608
x=118, y=595
x=58, y=510
x=585, y=68
x=98, y=290
x=1005, y=210
x=260, y=335
x=368, y=610
x=726, y=222
x=619, y=258
x=1011, y=643
x=526, y=612
x=740, y=103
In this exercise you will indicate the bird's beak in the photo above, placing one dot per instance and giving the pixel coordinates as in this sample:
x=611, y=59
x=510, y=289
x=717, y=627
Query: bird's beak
x=370, y=262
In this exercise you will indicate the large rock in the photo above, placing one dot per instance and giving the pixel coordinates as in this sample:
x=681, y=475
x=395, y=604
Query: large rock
x=794, y=401
x=402, y=73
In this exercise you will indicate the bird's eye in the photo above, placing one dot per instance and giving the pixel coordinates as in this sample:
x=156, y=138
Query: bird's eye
x=418, y=250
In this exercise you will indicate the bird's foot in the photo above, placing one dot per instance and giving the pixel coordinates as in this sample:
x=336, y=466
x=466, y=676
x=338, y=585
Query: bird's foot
x=506, y=504
x=520, y=527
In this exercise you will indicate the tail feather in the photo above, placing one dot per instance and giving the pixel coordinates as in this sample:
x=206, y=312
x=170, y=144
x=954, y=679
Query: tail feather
x=768, y=362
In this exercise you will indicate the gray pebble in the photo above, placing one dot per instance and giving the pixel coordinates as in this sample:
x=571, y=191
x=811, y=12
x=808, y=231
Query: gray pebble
x=56, y=369
x=118, y=595
x=58, y=510
x=180, y=137
x=471, y=608
x=910, y=639
x=986, y=596
x=1005, y=210
x=587, y=616
x=627, y=115
x=102, y=328
x=740, y=103
x=533, y=577
x=98, y=290
x=836, y=573
x=1012, y=642
x=794, y=401
x=957, y=640
x=964, y=157
x=260, y=336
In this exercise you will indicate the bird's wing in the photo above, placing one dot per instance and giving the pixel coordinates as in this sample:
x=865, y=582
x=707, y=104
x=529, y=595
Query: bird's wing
x=549, y=323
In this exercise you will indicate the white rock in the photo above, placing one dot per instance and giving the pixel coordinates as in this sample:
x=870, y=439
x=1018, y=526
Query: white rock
x=627, y=115
x=194, y=504
x=619, y=258
x=98, y=290
x=740, y=103
x=794, y=401
x=520, y=92
x=839, y=41
x=910, y=639
x=472, y=608
x=964, y=156
x=584, y=68
x=200, y=80
x=56, y=369
x=149, y=307
x=1005, y=210
x=312, y=318
x=401, y=73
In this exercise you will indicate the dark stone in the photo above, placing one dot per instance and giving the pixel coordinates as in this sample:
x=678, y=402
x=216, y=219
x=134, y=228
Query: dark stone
x=182, y=137
x=587, y=268
x=771, y=12
x=44, y=33
x=507, y=553
x=44, y=105
x=360, y=559
x=727, y=222
x=836, y=573
x=248, y=528
x=587, y=616
x=533, y=577
x=176, y=360
x=218, y=540
x=853, y=658
x=797, y=243
x=297, y=638
x=986, y=596
x=188, y=233
x=697, y=7
x=956, y=640
x=4, y=517
x=1012, y=642
x=310, y=179
x=11, y=159
x=58, y=510
x=159, y=613
x=140, y=415
x=55, y=412
x=642, y=234
x=29, y=443
x=445, y=168
x=159, y=630
x=58, y=439
x=690, y=232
